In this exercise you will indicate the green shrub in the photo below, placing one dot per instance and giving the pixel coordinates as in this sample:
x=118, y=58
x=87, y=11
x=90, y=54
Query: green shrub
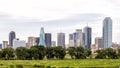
x=1, y=64
x=19, y=66
x=48, y=67
x=38, y=66
x=11, y=66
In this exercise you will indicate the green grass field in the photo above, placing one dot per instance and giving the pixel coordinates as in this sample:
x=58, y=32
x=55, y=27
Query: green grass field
x=62, y=63
x=66, y=63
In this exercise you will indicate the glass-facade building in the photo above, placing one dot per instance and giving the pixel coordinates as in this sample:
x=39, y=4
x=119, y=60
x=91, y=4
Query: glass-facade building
x=61, y=39
x=107, y=32
x=42, y=37
x=48, y=39
x=87, y=37
x=12, y=36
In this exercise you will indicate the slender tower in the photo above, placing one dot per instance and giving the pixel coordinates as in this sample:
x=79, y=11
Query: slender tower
x=87, y=37
x=107, y=32
x=42, y=37
x=12, y=36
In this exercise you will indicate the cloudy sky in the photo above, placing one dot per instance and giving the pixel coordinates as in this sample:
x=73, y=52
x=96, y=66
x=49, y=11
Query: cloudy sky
x=26, y=17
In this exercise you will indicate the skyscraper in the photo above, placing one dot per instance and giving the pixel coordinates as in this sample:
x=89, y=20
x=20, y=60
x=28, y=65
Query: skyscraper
x=48, y=39
x=87, y=37
x=71, y=40
x=61, y=39
x=107, y=32
x=37, y=40
x=79, y=37
x=42, y=37
x=75, y=39
x=11, y=37
x=31, y=41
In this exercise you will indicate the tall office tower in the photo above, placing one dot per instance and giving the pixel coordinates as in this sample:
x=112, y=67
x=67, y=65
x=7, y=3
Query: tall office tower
x=88, y=39
x=18, y=43
x=5, y=44
x=61, y=39
x=31, y=41
x=53, y=43
x=83, y=37
x=107, y=32
x=42, y=37
x=71, y=40
x=98, y=43
x=11, y=37
x=75, y=39
x=79, y=37
x=48, y=39
x=37, y=41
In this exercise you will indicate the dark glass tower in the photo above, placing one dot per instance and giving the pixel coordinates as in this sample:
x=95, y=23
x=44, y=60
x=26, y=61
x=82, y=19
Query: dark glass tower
x=48, y=39
x=12, y=36
x=87, y=37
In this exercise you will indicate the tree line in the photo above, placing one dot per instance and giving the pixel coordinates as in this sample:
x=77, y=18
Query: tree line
x=58, y=52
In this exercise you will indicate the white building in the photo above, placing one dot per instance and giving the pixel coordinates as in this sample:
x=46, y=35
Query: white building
x=53, y=43
x=18, y=43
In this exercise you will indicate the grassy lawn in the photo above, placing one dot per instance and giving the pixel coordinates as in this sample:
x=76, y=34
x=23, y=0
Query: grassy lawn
x=63, y=63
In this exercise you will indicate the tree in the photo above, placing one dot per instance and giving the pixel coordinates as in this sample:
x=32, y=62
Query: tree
x=87, y=52
x=118, y=53
x=80, y=53
x=101, y=54
x=8, y=53
x=34, y=52
x=41, y=51
x=1, y=54
x=22, y=53
x=49, y=52
x=59, y=52
x=71, y=52
x=111, y=54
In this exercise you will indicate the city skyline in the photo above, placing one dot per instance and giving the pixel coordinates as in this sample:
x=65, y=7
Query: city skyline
x=26, y=20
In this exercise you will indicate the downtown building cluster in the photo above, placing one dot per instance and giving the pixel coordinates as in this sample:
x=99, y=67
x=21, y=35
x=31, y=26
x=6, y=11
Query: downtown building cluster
x=81, y=37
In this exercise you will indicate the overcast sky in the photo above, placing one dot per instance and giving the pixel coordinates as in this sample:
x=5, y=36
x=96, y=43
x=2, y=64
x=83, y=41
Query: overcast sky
x=26, y=17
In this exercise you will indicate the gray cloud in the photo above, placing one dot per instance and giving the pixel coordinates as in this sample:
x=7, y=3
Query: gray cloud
x=72, y=20
x=75, y=19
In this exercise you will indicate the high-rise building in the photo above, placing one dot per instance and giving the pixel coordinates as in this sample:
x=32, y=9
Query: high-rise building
x=37, y=40
x=71, y=40
x=79, y=37
x=83, y=35
x=53, y=43
x=12, y=36
x=31, y=41
x=42, y=37
x=75, y=39
x=87, y=37
x=48, y=39
x=107, y=32
x=98, y=43
x=18, y=43
x=5, y=44
x=61, y=39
